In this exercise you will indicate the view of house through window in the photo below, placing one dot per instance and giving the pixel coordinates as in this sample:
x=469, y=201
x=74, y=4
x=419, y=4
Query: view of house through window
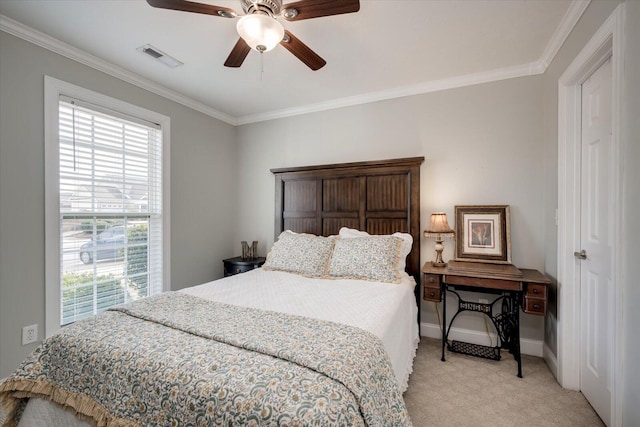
x=110, y=188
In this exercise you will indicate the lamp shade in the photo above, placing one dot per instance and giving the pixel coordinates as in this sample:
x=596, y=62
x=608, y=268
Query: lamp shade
x=261, y=32
x=439, y=224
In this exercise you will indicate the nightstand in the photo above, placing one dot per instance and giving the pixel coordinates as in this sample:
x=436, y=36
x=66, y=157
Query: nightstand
x=241, y=265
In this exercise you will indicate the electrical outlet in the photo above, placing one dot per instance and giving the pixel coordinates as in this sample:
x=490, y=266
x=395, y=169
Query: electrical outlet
x=29, y=334
x=483, y=301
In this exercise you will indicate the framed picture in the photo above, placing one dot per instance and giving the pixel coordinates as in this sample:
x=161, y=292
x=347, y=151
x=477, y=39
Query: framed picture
x=483, y=234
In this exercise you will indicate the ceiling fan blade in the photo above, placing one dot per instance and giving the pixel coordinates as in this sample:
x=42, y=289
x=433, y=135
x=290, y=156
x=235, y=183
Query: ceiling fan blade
x=302, y=51
x=307, y=9
x=238, y=54
x=189, y=6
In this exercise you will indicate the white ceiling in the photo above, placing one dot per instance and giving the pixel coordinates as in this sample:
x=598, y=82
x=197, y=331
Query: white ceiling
x=389, y=48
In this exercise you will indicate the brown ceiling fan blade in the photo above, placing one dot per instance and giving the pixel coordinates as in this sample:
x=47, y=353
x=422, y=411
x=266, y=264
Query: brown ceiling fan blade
x=302, y=51
x=238, y=54
x=189, y=6
x=316, y=8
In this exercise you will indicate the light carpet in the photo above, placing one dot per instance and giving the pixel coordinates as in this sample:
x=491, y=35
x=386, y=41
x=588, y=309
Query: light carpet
x=471, y=391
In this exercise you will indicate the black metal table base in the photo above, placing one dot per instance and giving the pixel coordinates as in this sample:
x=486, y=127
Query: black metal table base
x=506, y=321
x=477, y=350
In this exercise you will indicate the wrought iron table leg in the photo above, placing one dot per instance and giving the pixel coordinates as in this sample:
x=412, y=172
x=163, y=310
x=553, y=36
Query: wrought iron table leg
x=509, y=327
x=516, y=333
x=443, y=292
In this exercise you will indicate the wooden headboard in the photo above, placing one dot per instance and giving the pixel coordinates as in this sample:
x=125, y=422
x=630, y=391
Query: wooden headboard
x=379, y=197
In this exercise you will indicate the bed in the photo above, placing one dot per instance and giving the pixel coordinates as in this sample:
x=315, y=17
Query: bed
x=312, y=338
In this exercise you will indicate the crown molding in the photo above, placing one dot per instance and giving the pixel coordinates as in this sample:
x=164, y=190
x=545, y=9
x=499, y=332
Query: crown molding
x=530, y=69
x=570, y=19
x=45, y=41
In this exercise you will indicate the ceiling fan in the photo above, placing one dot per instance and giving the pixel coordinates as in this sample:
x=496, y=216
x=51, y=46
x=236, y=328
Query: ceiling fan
x=259, y=28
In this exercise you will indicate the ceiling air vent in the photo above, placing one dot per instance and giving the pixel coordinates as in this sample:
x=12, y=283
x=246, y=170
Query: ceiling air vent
x=156, y=53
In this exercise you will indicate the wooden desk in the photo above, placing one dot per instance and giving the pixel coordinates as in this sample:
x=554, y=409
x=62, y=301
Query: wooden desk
x=515, y=288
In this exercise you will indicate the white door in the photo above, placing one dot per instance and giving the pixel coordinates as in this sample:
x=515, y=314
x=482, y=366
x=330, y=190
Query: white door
x=596, y=329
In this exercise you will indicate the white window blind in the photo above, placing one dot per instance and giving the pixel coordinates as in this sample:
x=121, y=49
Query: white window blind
x=110, y=189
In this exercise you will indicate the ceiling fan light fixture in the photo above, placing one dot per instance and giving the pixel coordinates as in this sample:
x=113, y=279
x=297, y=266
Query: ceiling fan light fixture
x=260, y=31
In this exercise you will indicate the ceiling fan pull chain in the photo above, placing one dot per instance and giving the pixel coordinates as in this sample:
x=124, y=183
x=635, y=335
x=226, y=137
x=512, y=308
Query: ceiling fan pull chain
x=261, y=65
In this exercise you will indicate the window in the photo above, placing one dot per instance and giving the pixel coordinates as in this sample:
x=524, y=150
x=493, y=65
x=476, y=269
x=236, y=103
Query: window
x=106, y=203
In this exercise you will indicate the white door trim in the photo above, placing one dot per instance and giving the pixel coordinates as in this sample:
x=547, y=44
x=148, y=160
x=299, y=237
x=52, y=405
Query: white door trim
x=607, y=40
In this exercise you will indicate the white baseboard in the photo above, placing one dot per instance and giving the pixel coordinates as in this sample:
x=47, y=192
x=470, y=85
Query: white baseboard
x=552, y=361
x=527, y=346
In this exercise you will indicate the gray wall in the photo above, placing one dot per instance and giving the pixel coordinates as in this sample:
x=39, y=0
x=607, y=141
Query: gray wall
x=595, y=15
x=481, y=144
x=203, y=155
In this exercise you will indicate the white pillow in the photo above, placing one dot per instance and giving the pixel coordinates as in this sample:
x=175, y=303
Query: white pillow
x=305, y=254
x=405, y=247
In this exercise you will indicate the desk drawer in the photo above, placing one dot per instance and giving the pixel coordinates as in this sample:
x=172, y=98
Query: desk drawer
x=536, y=291
x=535, y=299
x=431, y=280
x=431, y=287
x=484, y=282
x=431, y=294
x=534, y=306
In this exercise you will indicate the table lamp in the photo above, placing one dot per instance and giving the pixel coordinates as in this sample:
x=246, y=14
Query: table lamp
x=438, y=226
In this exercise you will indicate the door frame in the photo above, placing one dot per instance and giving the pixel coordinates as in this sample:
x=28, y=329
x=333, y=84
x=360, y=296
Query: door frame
x=608, y=40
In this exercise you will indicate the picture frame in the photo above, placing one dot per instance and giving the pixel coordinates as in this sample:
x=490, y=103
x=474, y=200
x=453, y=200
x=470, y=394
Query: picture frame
x=483, y=234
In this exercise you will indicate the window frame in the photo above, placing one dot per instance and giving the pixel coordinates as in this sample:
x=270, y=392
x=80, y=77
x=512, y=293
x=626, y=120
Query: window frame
x=53, y=89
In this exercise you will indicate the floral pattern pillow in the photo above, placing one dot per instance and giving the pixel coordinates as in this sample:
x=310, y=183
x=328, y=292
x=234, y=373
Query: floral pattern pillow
x=405, y=247
x=304, y=254
x=370, y=258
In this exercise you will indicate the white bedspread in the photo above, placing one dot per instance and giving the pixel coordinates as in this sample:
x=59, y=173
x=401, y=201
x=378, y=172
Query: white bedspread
x=388, y=310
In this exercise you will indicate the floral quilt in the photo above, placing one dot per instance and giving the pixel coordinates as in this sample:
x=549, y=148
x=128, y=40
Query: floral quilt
x=180, y=360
